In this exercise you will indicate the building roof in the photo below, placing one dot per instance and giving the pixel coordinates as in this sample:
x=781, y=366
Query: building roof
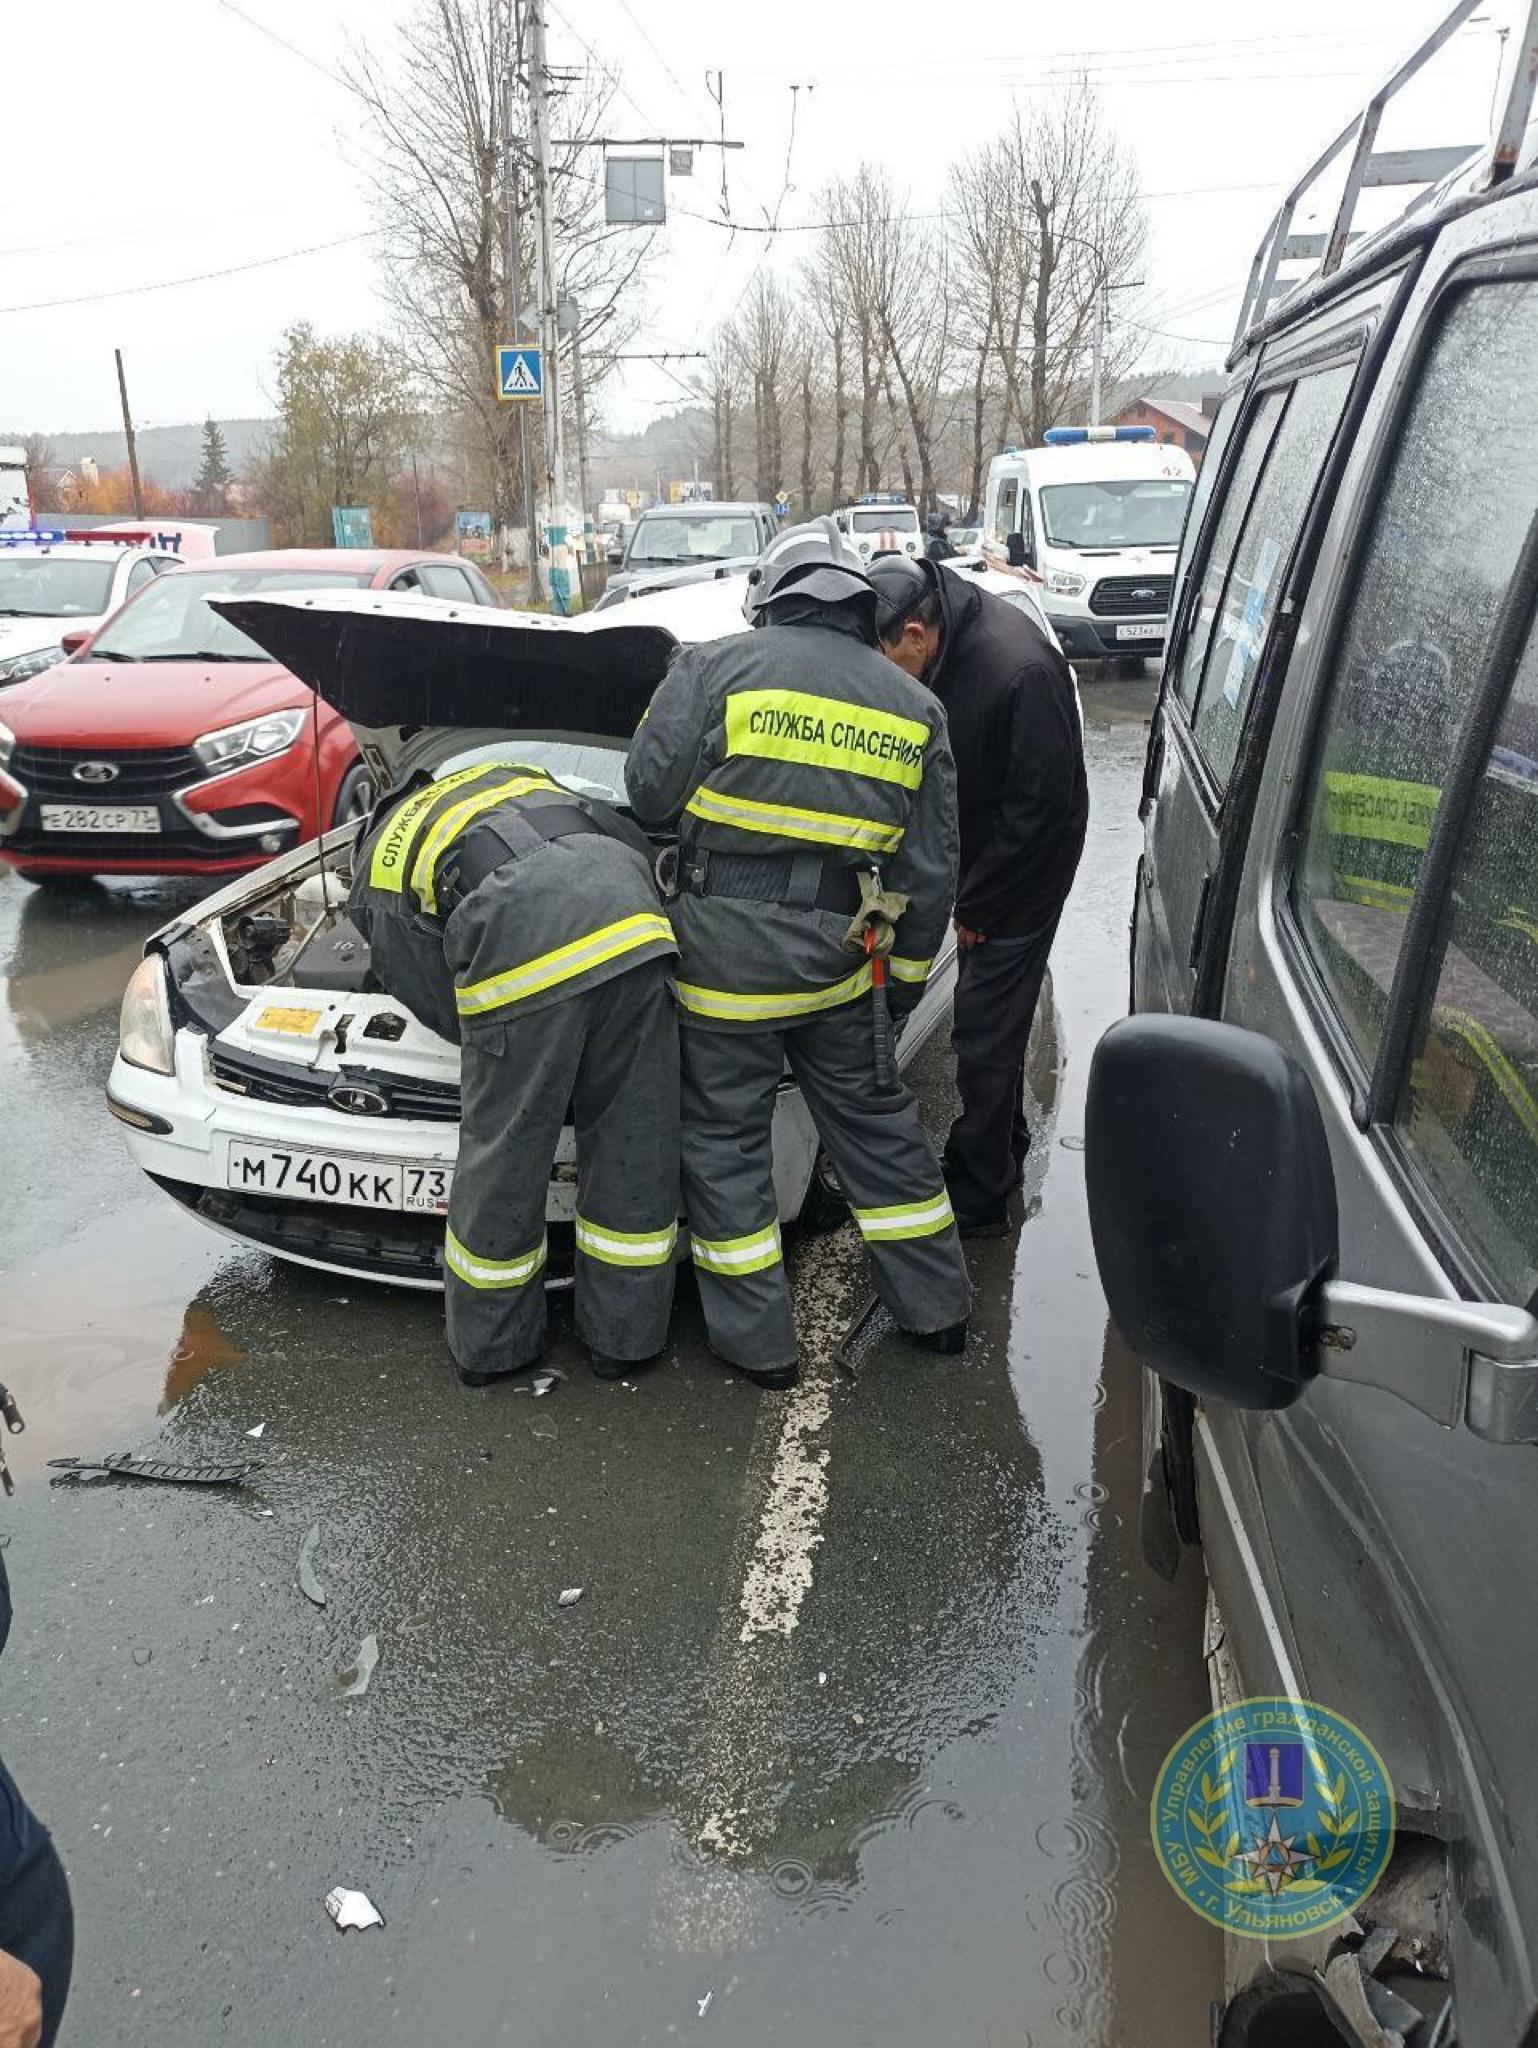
x=1179, y=411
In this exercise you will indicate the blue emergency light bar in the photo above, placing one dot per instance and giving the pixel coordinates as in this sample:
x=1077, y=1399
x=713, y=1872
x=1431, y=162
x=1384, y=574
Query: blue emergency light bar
x=1067, y=437
x=14, y=537
x=882, y=498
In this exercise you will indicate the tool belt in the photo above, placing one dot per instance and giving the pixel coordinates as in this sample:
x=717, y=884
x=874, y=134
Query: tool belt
x=801, y=881
x=492, y=842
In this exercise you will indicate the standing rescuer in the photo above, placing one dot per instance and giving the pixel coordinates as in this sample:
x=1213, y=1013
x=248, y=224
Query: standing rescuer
x=1023, y=800
x=814, y=797
x=523, y=920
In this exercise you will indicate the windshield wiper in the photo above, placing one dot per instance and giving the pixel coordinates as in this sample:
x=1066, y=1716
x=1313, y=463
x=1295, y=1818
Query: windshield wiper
x=107, y=654
x=198, y=654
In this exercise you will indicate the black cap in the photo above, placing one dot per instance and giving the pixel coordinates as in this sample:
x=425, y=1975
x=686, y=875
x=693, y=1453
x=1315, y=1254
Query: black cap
x=902, y=585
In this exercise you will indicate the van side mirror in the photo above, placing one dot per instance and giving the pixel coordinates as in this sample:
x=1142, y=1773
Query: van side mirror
x=1212, y=1205
x=1016, y=553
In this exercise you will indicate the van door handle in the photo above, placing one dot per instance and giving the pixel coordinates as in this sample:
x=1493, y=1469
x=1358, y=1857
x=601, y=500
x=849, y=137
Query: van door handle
x=1199, y=923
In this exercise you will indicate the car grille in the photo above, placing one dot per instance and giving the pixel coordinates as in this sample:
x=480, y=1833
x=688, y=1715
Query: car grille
x=1125, y=597
x=263, y=1080
x=141, y=772
x=117, y=849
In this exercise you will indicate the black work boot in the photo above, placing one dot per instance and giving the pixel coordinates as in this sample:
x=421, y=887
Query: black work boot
x=949, y=1342
x=607, y=1368
x=774, y=1379
x=481, y=1379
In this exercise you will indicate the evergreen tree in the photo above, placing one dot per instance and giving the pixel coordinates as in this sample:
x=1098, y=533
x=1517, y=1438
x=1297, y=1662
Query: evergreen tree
x=212, y=486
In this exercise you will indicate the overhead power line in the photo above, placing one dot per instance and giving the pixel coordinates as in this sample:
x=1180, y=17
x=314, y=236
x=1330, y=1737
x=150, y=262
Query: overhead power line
x=168, y=284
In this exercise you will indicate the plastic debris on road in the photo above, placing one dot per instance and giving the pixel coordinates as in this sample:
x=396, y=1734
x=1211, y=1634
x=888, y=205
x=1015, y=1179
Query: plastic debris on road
x=354, y=1680
x=352, y=1909
x=571, y=1596
x=309, y=1585
x=260, y=1430
x=120, y=1465
x=704, y=2003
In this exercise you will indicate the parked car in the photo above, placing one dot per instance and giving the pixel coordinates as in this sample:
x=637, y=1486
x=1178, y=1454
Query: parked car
x=171, y=744
x=1313, y=1152
x=264, y=1081
x=56, y=582
x=702, y=535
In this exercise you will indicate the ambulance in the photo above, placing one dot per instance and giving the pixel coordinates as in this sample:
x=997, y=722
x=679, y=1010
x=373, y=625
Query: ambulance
x=1094, y=516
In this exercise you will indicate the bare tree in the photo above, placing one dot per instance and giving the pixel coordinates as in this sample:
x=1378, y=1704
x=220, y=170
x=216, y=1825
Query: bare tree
x=439, y=132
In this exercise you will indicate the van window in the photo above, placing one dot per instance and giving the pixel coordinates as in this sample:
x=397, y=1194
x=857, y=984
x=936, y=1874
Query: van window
x=1206, y=482
x=1006, y=518
x=1469, y=1110
x=1446, y=533
x=1248, y=464
x=1259, y=570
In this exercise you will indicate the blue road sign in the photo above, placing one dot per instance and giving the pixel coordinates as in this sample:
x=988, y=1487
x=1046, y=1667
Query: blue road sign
x=520, y=372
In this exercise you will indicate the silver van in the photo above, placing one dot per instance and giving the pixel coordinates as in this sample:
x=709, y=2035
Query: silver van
x=1313, y=1147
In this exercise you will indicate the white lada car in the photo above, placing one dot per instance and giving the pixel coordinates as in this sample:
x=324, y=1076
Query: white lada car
x=264, y=1079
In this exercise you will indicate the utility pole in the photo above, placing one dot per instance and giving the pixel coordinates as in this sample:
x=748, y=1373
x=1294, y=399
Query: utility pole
x=547, y=283
x=579, y=406
x=515, y=321
x=128, y=435
x=1097, y=354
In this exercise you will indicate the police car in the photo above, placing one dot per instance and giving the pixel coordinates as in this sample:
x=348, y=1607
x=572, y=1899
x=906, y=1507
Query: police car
x=55, y=583
x=881, y=523
x=263, y=1079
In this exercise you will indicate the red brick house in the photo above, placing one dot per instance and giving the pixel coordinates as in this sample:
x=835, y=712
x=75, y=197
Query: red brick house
x=1178, y=420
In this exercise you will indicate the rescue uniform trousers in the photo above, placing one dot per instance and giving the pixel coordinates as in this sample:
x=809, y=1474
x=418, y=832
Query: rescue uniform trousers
x=998, y=986
x=610, y=1056
x=876, y=1141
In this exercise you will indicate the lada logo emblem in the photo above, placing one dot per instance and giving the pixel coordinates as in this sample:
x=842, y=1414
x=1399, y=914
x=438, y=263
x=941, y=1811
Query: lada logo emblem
x=358, y=1098
x=95, y=771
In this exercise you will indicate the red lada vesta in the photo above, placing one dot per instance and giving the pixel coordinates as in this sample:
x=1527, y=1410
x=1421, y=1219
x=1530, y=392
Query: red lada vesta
x=170, y=744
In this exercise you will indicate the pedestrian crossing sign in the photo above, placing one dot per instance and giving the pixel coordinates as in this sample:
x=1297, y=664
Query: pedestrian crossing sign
x=520, y=373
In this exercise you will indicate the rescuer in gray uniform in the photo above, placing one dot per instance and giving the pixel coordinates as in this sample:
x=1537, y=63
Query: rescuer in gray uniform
x=793, y=762
x=522, y=920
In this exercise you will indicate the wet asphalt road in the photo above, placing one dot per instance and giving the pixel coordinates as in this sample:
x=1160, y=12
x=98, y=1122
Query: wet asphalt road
x=849, y=1741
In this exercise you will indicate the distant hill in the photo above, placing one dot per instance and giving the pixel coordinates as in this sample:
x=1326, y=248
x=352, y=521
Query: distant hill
x=167, y=455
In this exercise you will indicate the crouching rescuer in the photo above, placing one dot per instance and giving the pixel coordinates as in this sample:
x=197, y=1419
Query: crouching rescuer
x=522, y=920
x=811, y=786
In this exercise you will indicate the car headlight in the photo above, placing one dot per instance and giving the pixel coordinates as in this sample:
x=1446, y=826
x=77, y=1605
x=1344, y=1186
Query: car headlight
x=7, y=744
x=19, y=666
x=257, y=740
x=1064, y=583
x=144, y=1034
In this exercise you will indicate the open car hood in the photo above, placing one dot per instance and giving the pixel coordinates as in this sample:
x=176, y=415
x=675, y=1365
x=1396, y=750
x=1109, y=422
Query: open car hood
x=413, y=675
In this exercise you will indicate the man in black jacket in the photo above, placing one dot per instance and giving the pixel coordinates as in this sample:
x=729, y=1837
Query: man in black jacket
x=1023, y=800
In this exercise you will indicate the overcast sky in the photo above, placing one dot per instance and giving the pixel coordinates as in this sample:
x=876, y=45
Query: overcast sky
x=143, y=146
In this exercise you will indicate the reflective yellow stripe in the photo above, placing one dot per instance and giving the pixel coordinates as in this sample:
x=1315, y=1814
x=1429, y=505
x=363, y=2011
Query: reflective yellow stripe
x=1485, y=1048
x=786, y=821
x=491, y=1273
x=793, y=725
x=723, y=1002
x=907, y=1219
x=626, y=1247
x=453, y=821
x=392, y=851
x=908, y=970
x=738, y=1255
x=1378, y=807
x=1375, y=894
x=532, y=977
